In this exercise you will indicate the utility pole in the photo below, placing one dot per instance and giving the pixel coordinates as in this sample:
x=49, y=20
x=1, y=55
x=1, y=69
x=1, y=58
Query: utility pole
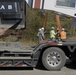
x=58, y=22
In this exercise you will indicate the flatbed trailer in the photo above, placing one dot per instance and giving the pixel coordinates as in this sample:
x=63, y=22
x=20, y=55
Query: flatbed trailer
x=51, y=54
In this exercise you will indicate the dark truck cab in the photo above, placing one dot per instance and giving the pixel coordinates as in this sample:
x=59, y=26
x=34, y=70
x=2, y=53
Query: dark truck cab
x=12, y=13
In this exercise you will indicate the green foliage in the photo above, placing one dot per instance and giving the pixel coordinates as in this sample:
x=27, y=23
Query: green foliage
x=34, y=22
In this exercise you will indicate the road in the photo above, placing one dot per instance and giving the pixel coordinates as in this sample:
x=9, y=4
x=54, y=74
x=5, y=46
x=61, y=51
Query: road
x=68, y=69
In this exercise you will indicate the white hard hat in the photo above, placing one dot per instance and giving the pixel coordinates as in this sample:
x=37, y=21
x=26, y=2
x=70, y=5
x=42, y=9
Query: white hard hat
x=42, y=28
x=52, y=28
x=39, y=29
x=63, y=29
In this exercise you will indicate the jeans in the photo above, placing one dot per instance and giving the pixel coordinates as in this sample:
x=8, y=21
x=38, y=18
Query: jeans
x=53, y=39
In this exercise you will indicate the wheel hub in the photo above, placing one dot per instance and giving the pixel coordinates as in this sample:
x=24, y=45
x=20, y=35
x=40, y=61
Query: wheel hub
x=53, y=59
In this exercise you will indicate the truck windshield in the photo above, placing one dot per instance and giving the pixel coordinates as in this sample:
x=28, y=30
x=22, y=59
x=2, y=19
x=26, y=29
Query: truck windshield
x=66, y=3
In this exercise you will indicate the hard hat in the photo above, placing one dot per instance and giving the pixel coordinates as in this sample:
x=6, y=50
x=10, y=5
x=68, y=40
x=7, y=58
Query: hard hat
x=42, y=28
x=63, y=29
x=52, y=28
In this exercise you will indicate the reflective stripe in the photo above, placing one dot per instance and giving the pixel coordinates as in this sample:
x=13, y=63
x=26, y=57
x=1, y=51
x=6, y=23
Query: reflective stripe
x=60, y=44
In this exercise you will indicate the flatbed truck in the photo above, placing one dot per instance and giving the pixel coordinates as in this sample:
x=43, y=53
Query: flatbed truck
x=14, y=54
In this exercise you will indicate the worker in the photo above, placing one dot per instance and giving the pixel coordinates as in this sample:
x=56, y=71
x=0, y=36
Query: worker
x=52, y=34
x=39, y=35
x=63, y=35
x=42, y=32
x=57, y=35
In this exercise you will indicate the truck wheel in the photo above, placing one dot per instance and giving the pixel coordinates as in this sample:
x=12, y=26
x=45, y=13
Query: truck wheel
x=53, y=58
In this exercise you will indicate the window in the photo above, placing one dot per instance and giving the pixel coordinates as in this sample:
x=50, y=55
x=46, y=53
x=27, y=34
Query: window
x=66, y=3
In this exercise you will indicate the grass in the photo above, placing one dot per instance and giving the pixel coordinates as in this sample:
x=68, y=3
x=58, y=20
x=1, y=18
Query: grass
x=28, y=42
x=24, y=41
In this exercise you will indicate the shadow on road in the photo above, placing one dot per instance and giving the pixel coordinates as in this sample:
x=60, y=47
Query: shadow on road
x=15, y=68
x=40, y=67
x=70, y=65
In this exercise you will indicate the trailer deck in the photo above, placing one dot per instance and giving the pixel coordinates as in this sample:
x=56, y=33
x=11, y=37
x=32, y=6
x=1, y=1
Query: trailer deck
x=66, y=43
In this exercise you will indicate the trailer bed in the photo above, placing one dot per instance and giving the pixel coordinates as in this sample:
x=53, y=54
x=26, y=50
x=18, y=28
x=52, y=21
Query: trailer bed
x=69, y=43
x=66, y=43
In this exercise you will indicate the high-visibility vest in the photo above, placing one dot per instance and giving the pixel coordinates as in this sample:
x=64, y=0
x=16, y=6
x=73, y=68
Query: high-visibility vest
x=52, y=34
x=63, y=35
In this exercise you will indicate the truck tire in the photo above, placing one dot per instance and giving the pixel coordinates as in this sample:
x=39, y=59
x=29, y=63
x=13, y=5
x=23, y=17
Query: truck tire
x=53, y=58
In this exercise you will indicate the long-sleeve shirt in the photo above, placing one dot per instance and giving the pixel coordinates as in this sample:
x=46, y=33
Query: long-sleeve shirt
x=52, y=34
